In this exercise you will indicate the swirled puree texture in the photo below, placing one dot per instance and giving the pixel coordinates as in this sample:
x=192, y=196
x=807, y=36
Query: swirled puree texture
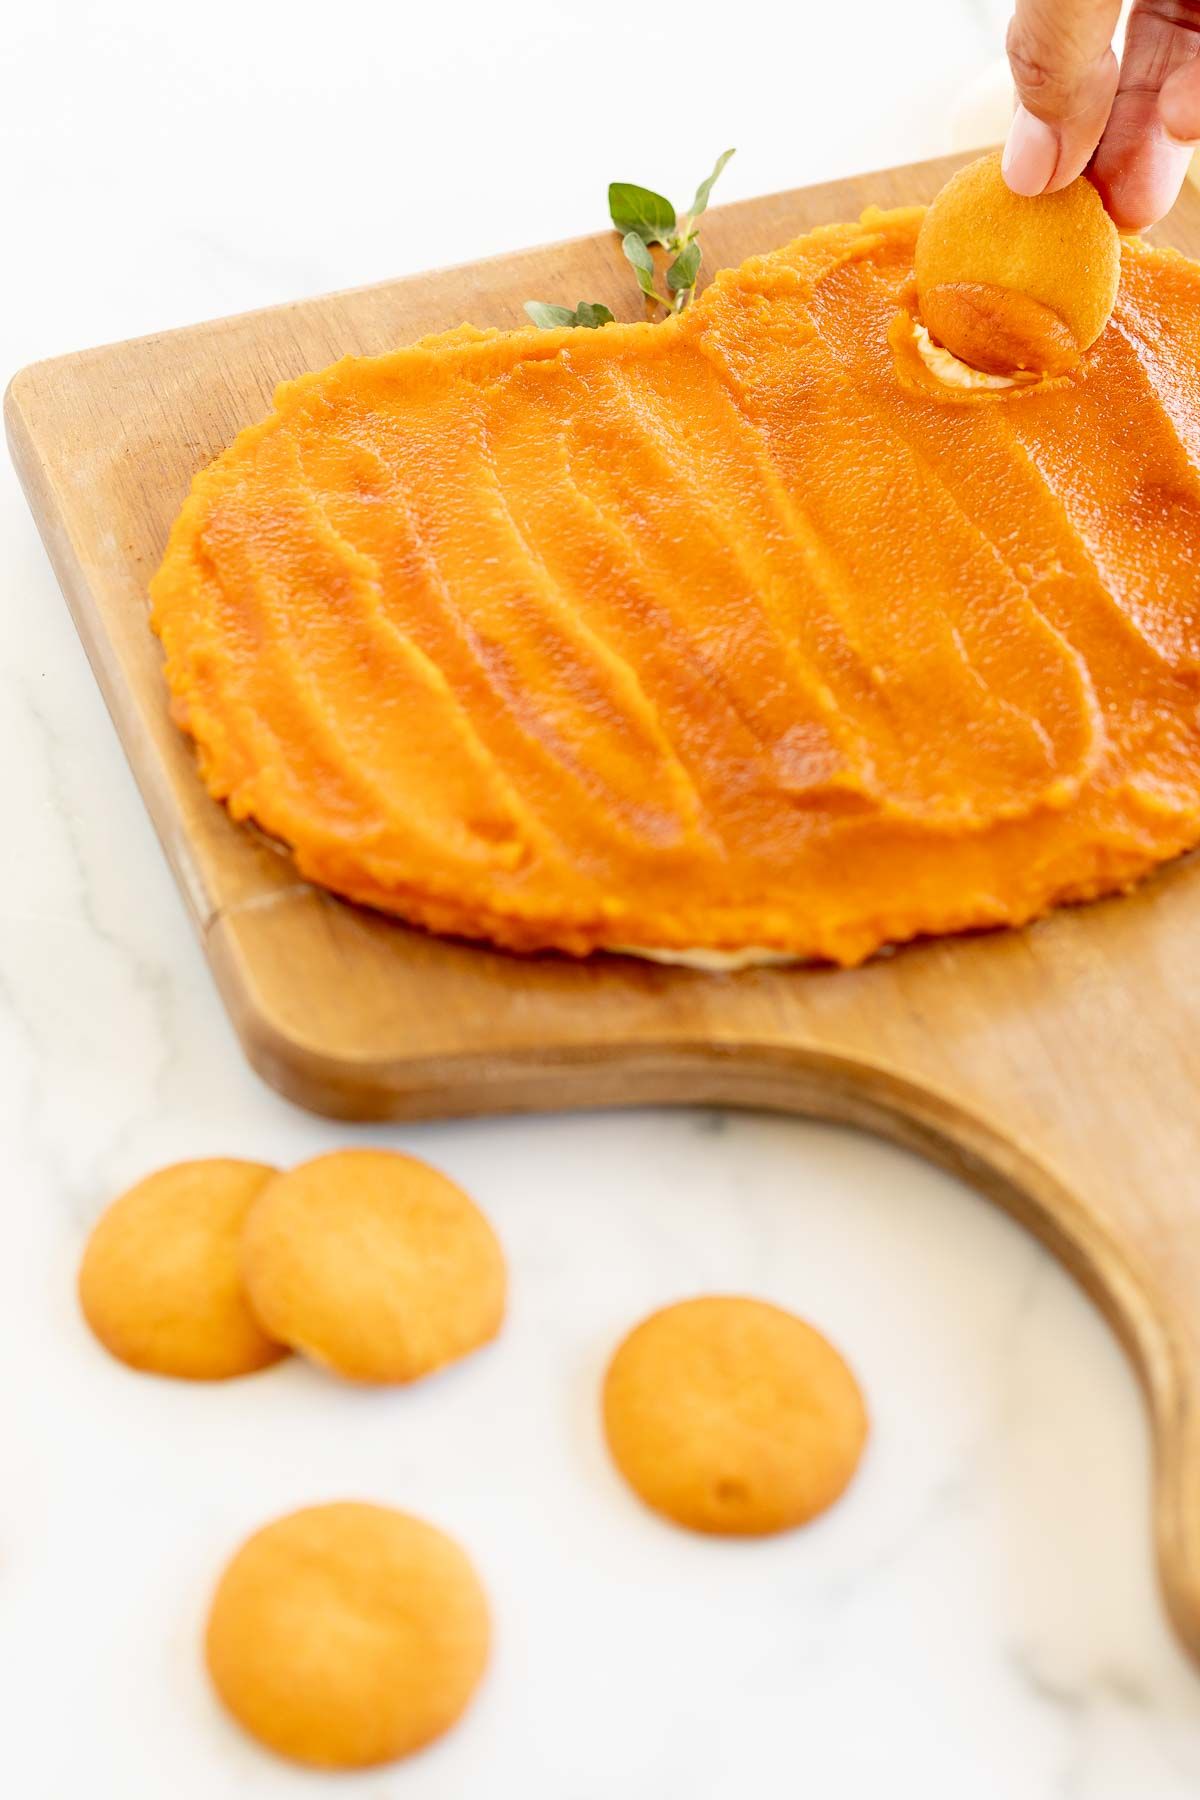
x=742, y=631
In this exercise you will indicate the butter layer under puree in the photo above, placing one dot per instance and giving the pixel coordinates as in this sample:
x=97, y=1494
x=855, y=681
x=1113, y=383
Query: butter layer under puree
x=739, y=630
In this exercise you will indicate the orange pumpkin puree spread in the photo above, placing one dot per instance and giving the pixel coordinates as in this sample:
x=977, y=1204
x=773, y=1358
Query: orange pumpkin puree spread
x=739, y=630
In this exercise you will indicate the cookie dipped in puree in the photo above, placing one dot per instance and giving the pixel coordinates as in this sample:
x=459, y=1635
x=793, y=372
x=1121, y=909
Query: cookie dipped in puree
x=1012, y=286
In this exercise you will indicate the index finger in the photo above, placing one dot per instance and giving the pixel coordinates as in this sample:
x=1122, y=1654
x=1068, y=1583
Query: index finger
x=1065, y=72
x=1140, y=165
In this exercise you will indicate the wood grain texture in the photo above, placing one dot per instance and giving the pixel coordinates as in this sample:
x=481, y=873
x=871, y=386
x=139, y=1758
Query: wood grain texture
x=1056, y=1068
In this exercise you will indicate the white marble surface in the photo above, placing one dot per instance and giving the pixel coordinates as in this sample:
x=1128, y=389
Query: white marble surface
x=979, y=1617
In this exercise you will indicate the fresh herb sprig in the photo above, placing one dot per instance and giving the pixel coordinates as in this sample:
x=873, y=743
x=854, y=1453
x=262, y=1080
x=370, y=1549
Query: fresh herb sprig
x=645, y=220
x=589, y=313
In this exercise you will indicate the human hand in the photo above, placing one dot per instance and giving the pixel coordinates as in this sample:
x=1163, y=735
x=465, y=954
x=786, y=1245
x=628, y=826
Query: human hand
x=1136, y=123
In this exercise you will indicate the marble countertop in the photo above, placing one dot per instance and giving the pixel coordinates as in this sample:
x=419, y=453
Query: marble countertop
x=979, y=1616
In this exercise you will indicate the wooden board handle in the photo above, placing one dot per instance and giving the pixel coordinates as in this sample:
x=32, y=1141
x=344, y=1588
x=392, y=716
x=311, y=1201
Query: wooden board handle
x=1055, y=1069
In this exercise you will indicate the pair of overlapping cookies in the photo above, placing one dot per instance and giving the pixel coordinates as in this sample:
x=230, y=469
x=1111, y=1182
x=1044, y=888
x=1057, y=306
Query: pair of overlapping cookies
x=350, y=1634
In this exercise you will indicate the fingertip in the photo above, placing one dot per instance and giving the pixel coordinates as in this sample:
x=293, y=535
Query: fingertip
x=1030, y=153
x=1139, y=192
x=1125, y=219
x=1138, y=169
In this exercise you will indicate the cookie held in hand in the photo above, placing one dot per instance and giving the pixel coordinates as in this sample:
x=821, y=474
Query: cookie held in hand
x=1010, y=284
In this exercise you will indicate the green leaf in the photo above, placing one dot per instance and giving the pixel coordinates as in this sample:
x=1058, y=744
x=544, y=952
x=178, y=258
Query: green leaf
x=589, y=313
x=592, y=314
x=642, y=211
x=638, y=254
x=643, y=264
x=547, y=316
x=705, y=189
x=684, y=270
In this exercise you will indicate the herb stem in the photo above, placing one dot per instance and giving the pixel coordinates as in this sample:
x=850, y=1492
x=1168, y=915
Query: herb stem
x=645, y=220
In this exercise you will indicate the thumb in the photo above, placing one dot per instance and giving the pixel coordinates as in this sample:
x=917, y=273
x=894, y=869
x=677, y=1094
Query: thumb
x=1062, y=61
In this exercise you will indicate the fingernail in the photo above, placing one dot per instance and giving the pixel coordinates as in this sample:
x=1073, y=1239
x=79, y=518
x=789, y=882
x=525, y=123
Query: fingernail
x=1030, y=153
x=1179, y=106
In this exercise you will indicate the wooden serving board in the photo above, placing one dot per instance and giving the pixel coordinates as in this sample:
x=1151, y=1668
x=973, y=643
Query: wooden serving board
x=1057, y=1068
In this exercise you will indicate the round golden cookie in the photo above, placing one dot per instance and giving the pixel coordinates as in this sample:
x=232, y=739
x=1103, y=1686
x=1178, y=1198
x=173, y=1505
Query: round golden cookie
x=347, y=1635
x=732, y=1416
x=160, y=1283
x=1009, y=283
x=373, y=1264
